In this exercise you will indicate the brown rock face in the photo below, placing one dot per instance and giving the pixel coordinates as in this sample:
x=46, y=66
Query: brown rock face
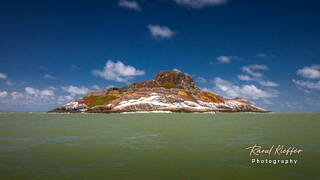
x=176, y=78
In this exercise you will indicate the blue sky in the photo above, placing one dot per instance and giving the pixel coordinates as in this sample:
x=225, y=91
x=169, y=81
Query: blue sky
x=265, y=51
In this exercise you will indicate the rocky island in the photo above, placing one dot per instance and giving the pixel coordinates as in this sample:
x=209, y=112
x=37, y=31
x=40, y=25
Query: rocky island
x=171, y=91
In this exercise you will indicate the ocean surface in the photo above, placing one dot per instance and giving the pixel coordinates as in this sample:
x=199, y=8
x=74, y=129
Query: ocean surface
x=156, y=146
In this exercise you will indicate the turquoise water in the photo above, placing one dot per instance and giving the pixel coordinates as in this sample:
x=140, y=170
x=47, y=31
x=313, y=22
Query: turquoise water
x=155, y=146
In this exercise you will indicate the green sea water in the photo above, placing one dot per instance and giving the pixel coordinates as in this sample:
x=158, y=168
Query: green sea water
x=155, y=146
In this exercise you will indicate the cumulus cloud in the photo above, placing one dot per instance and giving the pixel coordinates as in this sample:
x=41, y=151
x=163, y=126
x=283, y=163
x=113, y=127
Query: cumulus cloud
x=34, y=99
x=117, y=71
x=311, y=72
x=74, y=90
x=3, y=94
x=32, y=91
x=160, y=32
x=47, y=92
x=3, y=76
x=130, y=5
x=223, y=59
x=30, y=98
x=251, y=69
x=268, y=83
x=262, y=82
x=307, y=84
x=48, y=76
x=226, y=59
x=64, y=99
x=252, y=75
x=200, y=3
x=244, y=77
x=245, y=91
x=16, y=95
x=37, y=92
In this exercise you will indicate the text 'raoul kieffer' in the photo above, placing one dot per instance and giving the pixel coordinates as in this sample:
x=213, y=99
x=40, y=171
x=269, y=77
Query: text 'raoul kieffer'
x=274, y=150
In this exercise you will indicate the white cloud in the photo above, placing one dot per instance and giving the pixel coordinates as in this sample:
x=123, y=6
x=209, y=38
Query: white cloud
x=95, y=87
x=16, y=95
x=47, y=92
x=226, y=59
x=200, y=3
x=3, y=94
x=223, y=59
x=268, y=83
x=250, y=69
x=312, y=72
x=52, y=88
x=74, y=90
x=30, y=90
x=258, y=67
x=3, y=76
x=48, y=76
x=256, y=76
x=261, y=55
x=33, y=99
x=160, y=32
x=245, y=91
x=307, y=84
x=175, y=69
x=244, y=77
x=64, y=99
x=130, y=5
x=117, y=71
x=37, y=92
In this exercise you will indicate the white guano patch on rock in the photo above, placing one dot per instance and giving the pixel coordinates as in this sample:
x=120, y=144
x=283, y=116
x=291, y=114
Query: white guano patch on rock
x=153, y=100
x=161, y=102
x=74, y=105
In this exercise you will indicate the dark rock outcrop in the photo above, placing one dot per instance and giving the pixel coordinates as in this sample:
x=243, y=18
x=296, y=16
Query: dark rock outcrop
x=176, y=78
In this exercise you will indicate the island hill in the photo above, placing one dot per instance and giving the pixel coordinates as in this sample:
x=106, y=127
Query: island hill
x=170, y=91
